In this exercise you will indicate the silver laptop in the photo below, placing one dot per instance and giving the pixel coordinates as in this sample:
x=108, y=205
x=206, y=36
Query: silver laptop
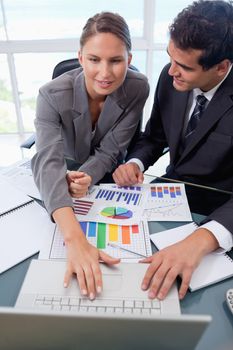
x=48, y=316
x=43, y=289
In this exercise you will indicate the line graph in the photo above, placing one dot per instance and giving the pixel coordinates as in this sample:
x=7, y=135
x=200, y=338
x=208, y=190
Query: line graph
x=170, y=210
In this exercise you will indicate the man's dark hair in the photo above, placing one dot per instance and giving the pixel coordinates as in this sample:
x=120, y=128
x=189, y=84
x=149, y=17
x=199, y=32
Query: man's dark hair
x=208, y=26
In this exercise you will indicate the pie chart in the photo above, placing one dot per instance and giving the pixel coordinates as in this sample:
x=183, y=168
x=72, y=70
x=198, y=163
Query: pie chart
x=117, y=213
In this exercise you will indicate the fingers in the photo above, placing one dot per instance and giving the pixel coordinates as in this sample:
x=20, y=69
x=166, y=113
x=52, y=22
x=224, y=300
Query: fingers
x=147, y=260
x=83, y=261
x=128, y=174
x=185, y=283
x=165, y=266
x=149, y=273
x=67, y=277
x=108, y=259
x=140, y=177
x=162, y=282
x=80, y=278
x=78, y=184
x=73, y=175
x=89, y=279
x=159, y=279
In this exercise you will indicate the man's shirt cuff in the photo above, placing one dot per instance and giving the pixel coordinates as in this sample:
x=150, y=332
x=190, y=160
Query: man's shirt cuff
x=138, y=162
x=223, y=236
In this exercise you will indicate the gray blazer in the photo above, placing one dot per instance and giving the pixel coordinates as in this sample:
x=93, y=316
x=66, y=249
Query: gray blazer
x=64, y=129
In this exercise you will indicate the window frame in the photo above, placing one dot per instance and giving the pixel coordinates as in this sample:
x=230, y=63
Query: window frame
x=145, y=43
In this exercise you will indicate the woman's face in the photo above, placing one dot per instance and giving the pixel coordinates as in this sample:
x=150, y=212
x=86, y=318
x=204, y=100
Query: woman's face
x=105, y=60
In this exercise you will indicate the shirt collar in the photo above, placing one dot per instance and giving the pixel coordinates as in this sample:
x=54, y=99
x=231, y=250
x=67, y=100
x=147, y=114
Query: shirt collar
x=209, y=94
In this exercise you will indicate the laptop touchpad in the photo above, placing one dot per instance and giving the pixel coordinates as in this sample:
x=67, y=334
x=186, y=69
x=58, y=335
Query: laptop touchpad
x=112, y=281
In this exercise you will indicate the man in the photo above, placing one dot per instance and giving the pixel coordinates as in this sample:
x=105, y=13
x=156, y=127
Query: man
x=198, y=132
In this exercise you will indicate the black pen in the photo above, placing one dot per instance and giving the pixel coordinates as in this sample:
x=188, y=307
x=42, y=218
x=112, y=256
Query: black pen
x=114, y=245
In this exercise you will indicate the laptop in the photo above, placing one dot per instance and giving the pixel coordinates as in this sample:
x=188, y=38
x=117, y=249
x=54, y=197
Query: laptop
x=48, y=316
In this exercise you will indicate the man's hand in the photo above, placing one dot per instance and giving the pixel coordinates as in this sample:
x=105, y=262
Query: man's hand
x=128, y=174
x=179, y=259
x=78, y=183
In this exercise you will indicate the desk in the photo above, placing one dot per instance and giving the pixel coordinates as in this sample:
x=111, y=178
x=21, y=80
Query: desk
x=210, y=300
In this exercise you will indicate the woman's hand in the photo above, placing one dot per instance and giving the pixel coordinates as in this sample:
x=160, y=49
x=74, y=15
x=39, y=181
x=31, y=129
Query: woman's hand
x=83, y=260
x=78, y=183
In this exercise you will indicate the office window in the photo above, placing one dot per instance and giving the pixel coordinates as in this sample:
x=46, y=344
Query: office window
x=33, y=70
x=2, y=30
x=139, y=60
x=8, y=120
x=47, y=19
x=39, y=71
x=34, y=36
x=160, y=59
x=165, y=12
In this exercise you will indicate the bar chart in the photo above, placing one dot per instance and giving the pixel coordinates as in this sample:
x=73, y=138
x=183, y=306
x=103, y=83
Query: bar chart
x=167, y=202
x=133, y=237
x=82, y=207
x=125, y=197
x=165, y=191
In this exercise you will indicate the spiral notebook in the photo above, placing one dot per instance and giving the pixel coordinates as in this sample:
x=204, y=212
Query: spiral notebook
x=11, y=197
x=24, y=225
x=213, y=268
x=20, y=176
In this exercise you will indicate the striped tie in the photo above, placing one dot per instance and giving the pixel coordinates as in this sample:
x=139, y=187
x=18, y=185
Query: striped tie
x=196, y=116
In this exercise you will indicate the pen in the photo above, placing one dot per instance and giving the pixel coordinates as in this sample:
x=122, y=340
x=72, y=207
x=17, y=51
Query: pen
x=125, y=249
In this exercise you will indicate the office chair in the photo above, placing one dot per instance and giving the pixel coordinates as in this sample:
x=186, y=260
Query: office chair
x=65, y=66
x=60, y=68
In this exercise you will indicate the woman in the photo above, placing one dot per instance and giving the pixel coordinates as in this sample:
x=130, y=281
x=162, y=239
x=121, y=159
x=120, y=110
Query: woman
x=90, y=115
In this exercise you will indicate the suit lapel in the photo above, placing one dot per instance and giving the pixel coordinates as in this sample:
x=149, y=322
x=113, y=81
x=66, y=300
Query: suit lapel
x=178, y=105
x=109, y=115
x=111, y=112
x=218, y=106
x=81, y=120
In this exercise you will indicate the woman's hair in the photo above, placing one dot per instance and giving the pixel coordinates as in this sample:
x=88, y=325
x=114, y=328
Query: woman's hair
x=106, y=22
x=208, y=26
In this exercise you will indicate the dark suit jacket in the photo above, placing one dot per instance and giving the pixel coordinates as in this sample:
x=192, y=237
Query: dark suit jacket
x=208, y=158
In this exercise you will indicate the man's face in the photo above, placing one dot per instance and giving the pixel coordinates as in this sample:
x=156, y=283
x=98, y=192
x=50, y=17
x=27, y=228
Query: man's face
x=186, y=71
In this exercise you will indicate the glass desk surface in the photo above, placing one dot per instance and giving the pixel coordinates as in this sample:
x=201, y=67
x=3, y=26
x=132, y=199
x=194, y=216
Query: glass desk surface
x=209, y=300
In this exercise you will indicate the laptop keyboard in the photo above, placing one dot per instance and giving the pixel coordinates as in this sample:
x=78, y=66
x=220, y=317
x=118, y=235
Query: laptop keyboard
x=61, y=303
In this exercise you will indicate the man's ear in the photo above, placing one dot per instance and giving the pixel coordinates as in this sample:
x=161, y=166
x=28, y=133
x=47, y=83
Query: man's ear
x=222, y=67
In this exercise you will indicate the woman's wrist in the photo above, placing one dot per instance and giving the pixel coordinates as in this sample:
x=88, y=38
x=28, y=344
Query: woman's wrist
x=68, y=225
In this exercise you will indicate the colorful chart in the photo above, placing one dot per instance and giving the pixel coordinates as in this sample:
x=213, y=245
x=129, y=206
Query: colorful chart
x=163, y=191
x=105, y=232
x=131, y=188
x=133, y=237
x=117, y=213
x=81, y=207
x=123, y=197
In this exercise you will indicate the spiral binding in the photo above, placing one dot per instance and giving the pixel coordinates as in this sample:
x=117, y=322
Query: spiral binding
x=8, y=212
x=228, y=257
